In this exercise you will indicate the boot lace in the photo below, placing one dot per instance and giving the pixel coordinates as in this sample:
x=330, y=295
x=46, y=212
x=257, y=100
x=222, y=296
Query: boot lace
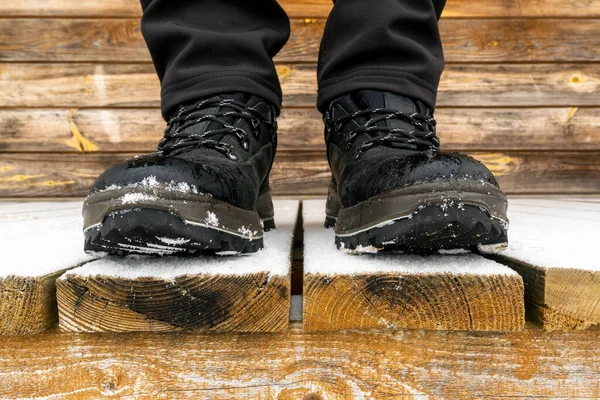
x=422, y=137
x=176, y=141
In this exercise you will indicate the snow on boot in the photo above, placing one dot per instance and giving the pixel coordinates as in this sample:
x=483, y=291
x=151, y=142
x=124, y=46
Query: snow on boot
x=393, y=189
x=206, y=189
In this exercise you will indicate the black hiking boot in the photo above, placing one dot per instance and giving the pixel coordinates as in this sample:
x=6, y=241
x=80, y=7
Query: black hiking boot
x=393, y=189
x=206, y=189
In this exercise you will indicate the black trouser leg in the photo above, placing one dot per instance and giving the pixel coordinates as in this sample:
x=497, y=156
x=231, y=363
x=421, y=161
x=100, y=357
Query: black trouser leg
x=391, y=45
x=205, y=47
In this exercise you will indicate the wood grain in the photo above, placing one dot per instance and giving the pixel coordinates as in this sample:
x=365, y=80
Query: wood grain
x=138, y=130
x=470, y=40
x=552, y=245
x=27, y=304
x=247, y=303
x=416, y=301
x=136, y=85
x=295, y=365
x=313, y=8
x=559, y=298
x=301, y=173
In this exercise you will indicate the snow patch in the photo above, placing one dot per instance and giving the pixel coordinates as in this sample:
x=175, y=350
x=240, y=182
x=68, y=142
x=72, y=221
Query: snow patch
x=133, y=198
x=152, y=183
x=247, y=232
x=40, y=238
x=211, y=219
x=361, y=249
x=173, y=242
x=454, y=251
x=553, y=234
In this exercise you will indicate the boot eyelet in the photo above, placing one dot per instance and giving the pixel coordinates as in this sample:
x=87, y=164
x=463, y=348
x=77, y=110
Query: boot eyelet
x=232, y=156
x=246, y=146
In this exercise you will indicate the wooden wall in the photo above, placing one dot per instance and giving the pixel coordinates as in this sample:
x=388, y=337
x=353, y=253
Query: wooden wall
x=521, y=91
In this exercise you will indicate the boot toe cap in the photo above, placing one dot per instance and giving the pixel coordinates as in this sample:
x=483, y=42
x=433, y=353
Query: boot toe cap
x=223, y=180
x=369, y=179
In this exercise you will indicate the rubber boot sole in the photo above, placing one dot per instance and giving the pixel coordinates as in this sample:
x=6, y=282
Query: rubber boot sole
x=162, y=222
x=434, y=217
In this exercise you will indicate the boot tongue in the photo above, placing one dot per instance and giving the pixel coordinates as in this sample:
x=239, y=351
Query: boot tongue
x=232, y=120
x=366, y=99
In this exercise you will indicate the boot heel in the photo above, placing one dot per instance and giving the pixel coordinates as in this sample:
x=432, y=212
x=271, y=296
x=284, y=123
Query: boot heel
x=264, y=206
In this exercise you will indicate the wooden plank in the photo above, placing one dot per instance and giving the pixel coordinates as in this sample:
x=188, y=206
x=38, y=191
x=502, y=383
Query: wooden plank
x=136, y=85
x=314, y=8
x=445, y=292
x=296, y=365
x=472, y=40
x=553, y=245
x=216, y=294
x=138, y=130
x=39, y=242
x=300, y=173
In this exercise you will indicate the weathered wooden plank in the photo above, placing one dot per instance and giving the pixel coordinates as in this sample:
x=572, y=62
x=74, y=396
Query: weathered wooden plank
x=134, y=130
x=471, y=40
x=553, y=245
x=295, y=365
x=313, y=8
x=126, y=85
x=216, y=294
x=115, y=40
x=446, y=292
x=138, y=130
x=300, y=173
x=39, y=242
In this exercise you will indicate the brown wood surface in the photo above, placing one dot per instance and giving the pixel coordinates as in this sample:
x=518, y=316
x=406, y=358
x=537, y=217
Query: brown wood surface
x=222, y=303
x=294, y=365
x=417, y=301
x=314, y=8
x=300, y=173
x=559, y=298
x=470, y=40
x=139, y=130
x=136, y=85
x=27, y=304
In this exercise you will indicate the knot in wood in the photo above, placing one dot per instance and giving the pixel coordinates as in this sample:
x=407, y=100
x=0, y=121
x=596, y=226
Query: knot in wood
x=109, y=384
x=312, y=396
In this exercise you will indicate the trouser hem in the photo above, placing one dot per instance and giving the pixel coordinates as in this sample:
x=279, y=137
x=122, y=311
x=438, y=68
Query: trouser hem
x=388, y=79
x=213, y=83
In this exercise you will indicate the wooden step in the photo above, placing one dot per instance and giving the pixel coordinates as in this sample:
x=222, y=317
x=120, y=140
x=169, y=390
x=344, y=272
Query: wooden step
x=294, y=365
x=84, y=85
x=38, y=242
x=249, y=293
x=313, y=8
x=465, y=40
x=553, y=244
x=446, y=292
x=139, y=129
